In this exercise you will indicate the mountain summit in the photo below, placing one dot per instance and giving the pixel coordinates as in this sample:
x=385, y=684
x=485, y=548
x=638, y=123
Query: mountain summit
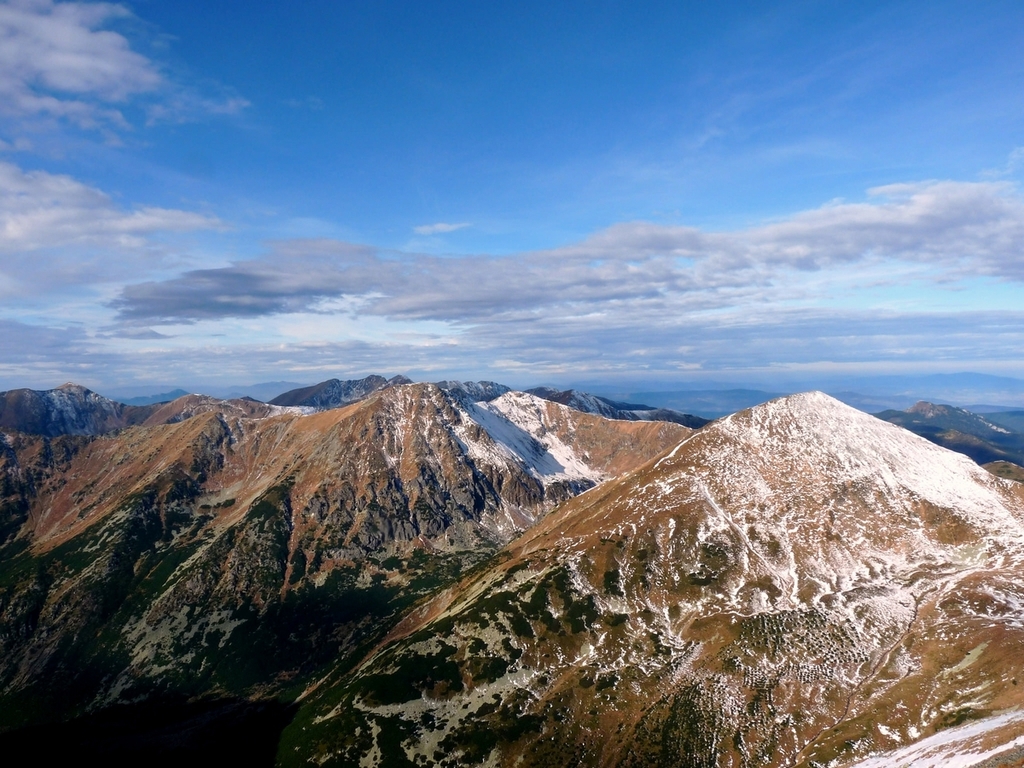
x=434, y=578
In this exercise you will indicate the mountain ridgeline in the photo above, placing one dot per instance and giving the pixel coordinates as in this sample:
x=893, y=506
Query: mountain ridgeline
x=334, y=393
x=799, y=584
x=383, y=573
x=612, y=409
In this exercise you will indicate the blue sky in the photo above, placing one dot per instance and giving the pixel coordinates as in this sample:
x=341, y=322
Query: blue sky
x=203, y=194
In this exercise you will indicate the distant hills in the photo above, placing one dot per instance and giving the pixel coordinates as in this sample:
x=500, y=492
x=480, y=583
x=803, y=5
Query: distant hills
x=979, y=393
x=334, y=393
x=162, y=397
x=612, y=409
x=989, y=438
x=710, y=403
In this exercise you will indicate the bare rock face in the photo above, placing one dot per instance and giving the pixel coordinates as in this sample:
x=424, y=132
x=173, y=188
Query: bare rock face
x=238, y=547
x=799, y=584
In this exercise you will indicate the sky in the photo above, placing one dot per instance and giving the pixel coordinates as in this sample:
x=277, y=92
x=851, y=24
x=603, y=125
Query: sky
x=204, y=194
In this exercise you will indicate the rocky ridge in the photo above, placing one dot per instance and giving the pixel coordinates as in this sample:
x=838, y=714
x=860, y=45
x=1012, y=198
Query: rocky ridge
x=72, y=409
x=476, y=391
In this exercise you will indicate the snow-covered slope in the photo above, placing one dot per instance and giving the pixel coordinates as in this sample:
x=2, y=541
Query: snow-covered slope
x=518, y=440
x=799, y=584
x=994, y=742
x=539, y=435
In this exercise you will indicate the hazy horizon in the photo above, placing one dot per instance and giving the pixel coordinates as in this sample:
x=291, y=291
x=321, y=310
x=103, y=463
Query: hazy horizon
x=708, y=398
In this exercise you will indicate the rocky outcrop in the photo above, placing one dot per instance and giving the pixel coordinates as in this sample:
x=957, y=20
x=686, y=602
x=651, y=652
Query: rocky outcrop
x=475, y=391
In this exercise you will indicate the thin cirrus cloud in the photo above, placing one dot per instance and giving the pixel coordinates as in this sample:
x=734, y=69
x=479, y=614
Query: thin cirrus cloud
x=635, y=272
x=58, y=61
x=439, y=228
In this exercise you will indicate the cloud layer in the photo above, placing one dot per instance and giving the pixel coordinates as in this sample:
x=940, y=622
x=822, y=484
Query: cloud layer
x=43, y=210
x=636, y=299
x=631, y=272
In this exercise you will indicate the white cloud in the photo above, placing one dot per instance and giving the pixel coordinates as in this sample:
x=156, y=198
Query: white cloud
x=439, y=228
x=59, y=60
x=42, y=210
x=845, y=282
x=55, y=59
x=563, y=349
x=639, y=273
x=186, y=107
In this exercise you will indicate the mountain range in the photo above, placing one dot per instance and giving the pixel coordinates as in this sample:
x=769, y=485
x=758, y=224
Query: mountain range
x=458, y=573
